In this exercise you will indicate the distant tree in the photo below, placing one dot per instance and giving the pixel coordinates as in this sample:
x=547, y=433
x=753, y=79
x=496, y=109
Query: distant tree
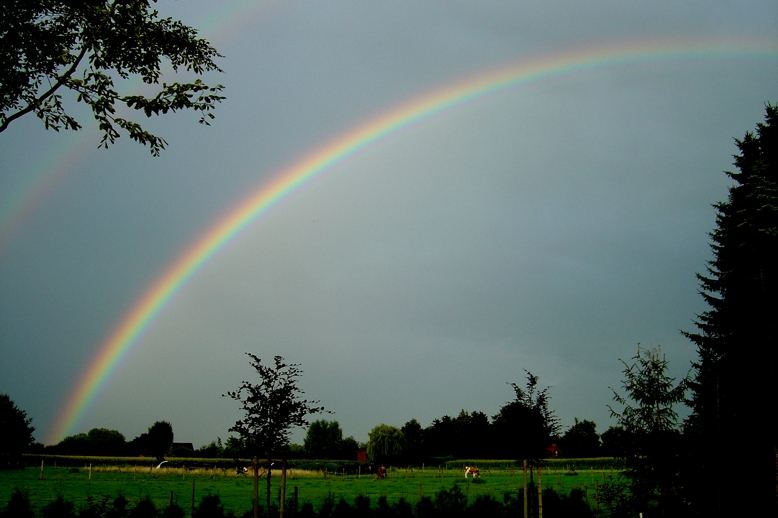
x=272, y=407
x=48, y=47
x=15, y=432
x=323, y=440
x=413, y=434
x=235, y=448
x=526, y=426
x=385, y=444
x=473, y=435
x=212, y=450
x=348, y=448
x=440, y=439
x=649, y=417
x=614, y=442
x=581, y=440
x=103, y=441
x=732, y=426
x=77, y=444
x=98, y=441
x=160, y=439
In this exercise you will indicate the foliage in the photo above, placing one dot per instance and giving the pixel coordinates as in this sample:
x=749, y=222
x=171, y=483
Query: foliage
x=324, y=440
x=103, y=441
x=98, y=442
x=49, y=47
x=733, y=388
x=18, y=506
x=413, y=434
x=526, y=426
x=159, y=439
x=59, y=508
x=450, y=497
x=615, y=441
x=385, y=444
x=648, y=416
x=212, y=450
x=15, y=432
x=581, y=440
x=271, y=408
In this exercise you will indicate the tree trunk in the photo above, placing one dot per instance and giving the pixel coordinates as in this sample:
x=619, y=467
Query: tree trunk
x=267, y=494
x=255, y=487
x=282, y=494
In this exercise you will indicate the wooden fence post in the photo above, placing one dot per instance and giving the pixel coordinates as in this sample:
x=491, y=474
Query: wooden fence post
x=193, y=497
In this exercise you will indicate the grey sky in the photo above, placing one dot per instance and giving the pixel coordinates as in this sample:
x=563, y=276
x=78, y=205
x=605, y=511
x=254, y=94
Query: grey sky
x=548, y=227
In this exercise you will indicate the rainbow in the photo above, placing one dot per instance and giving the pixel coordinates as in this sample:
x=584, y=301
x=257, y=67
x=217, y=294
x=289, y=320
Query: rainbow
x=141, y=315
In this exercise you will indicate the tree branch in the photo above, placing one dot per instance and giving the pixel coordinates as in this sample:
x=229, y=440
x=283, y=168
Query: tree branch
x=60, y=81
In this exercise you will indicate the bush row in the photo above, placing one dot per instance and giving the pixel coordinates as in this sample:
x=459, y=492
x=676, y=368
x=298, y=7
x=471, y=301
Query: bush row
x=450, y=503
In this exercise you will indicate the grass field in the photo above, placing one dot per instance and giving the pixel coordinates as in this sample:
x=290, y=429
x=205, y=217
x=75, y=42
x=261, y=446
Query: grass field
x=178, y=484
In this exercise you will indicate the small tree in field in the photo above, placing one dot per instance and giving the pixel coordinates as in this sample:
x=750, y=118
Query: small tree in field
x=271, y=408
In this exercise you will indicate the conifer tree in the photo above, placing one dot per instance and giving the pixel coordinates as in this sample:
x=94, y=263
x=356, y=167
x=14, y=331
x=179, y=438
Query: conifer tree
x=732, y=425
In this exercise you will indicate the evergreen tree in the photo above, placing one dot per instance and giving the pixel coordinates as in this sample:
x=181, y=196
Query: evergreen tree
x=732, y=425
x=651, y=423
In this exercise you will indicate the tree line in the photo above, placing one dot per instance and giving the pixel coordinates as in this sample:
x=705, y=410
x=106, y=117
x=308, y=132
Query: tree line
x=523, y=428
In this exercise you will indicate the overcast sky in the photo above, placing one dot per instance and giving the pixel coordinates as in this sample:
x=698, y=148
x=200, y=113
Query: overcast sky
x=551, y=226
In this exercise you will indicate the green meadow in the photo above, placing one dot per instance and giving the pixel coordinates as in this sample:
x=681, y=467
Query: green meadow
x=181, y=485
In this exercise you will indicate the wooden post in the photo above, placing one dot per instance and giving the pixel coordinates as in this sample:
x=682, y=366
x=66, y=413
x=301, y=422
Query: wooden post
x=540, y=493
x=90, y=471
x=526, y=495
x=41, y=475
x=193, y=497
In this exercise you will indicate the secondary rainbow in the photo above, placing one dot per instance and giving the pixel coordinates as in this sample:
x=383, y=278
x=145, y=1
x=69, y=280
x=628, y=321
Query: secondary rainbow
x=144, y=311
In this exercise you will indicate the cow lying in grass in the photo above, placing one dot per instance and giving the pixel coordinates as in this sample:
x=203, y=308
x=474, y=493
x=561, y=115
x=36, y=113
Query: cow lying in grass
x=472, y=470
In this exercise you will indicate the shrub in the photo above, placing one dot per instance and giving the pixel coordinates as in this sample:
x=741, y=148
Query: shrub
x=173, y=511
x=210, y=507
x=18, y=506
x=144, y=509
x=59, y=508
